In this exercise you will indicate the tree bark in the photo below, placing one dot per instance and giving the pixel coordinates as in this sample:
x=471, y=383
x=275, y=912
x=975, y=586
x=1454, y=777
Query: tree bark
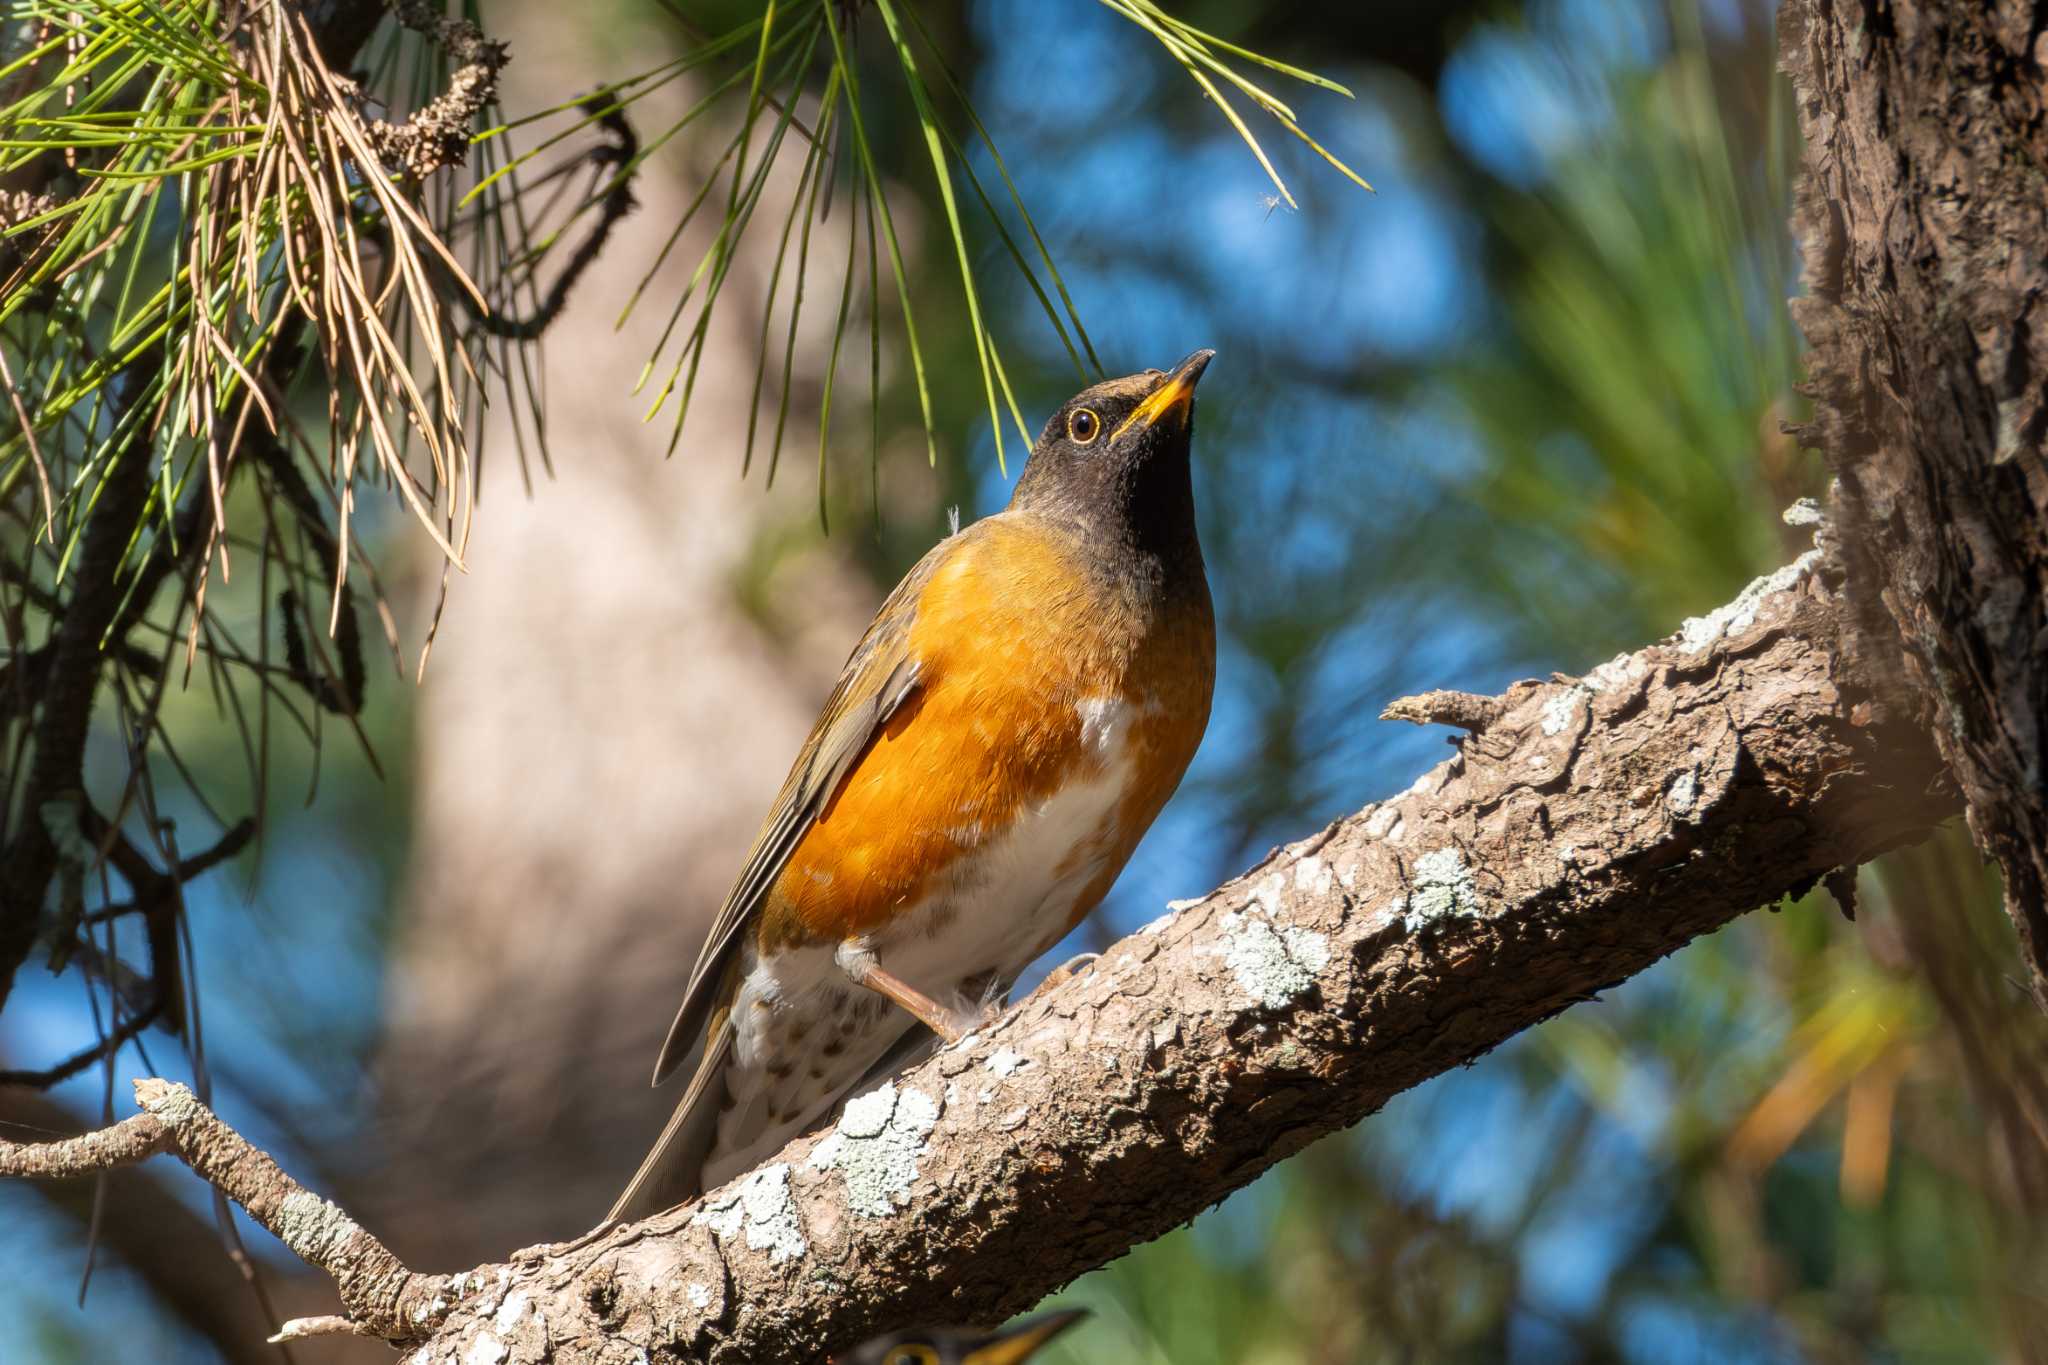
x=1924, y=219
x=1588, y=828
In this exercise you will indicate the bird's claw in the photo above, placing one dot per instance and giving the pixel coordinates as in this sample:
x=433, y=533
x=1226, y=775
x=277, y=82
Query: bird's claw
x=1066, y=971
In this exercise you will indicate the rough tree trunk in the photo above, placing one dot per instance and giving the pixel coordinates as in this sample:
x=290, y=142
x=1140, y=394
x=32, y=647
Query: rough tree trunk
x=1924, y=217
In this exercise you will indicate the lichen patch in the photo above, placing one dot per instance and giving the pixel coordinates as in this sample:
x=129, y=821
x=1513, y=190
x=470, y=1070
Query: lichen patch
x=1562, y=706
x=1443, y=886
x=876, y=1147
x=761, y=1207
x=1274, y=963
x=1003, y=1062
x=1805, y=512
x=1735, y=617
x=1313, y=875
x=511, y=1310
x=312, y=1227
x=1616, y=672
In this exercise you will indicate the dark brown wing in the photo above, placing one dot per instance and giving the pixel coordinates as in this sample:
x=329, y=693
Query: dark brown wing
x=879, y=677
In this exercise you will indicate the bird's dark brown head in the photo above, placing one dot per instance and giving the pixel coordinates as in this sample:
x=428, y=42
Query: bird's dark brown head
x=1115, y=457
x=962, y=1346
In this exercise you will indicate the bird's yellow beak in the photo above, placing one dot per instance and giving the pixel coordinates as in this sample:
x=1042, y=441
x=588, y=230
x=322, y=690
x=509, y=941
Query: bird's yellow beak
x=1022, y=1341
x=1176, y=395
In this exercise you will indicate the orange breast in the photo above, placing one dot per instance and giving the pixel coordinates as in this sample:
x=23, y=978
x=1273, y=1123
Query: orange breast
x=1011, y=635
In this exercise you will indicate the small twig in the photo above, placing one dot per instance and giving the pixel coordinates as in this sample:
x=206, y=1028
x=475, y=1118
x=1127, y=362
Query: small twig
x=381, y=1296
x=155, y=898
x=1465, y=710
x=331, y=1325
x=617, y=203
x=127, y=1142
x=35, y=450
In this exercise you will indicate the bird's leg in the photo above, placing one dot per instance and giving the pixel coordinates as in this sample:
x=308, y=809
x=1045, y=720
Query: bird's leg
x=857, y=960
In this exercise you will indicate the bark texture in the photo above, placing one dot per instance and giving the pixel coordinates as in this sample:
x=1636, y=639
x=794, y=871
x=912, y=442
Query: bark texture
x=1923, y=214
x=1592, y=827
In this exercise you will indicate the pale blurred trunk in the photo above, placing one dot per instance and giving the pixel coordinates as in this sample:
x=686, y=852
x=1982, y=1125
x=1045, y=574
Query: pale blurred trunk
x=600, y=731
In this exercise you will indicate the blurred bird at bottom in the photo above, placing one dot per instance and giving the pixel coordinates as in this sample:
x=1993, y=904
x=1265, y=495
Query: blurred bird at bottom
x=963, y=1346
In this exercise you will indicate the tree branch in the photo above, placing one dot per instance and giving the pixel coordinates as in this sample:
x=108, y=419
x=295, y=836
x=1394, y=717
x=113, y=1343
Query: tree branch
x=1596, y=825
x=127, y=1142
x=69, y=687
x=437, y=134
x=382, y=1296
x=153, y=1235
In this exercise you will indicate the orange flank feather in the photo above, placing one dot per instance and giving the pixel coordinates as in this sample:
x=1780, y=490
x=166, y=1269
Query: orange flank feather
x=1010, y=637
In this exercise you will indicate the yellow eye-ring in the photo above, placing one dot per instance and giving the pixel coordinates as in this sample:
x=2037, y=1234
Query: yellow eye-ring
x=912, y=1355
x=1083, y=426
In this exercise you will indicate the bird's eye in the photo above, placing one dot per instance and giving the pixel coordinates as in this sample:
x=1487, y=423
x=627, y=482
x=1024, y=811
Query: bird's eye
x=911, y=1355
x=1084, y=426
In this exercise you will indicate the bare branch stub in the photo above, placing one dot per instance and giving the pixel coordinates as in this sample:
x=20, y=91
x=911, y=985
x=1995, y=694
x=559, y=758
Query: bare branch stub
x=330, y=1325
x=1466, y=710
x=127, y=1142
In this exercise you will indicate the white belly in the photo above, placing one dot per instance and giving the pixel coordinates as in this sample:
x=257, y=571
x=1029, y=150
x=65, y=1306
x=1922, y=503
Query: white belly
x=804, y=1034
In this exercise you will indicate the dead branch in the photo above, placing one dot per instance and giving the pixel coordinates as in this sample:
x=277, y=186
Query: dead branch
x=437, y=134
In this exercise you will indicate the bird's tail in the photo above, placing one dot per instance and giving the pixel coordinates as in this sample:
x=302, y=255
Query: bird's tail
x=674, y=1171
